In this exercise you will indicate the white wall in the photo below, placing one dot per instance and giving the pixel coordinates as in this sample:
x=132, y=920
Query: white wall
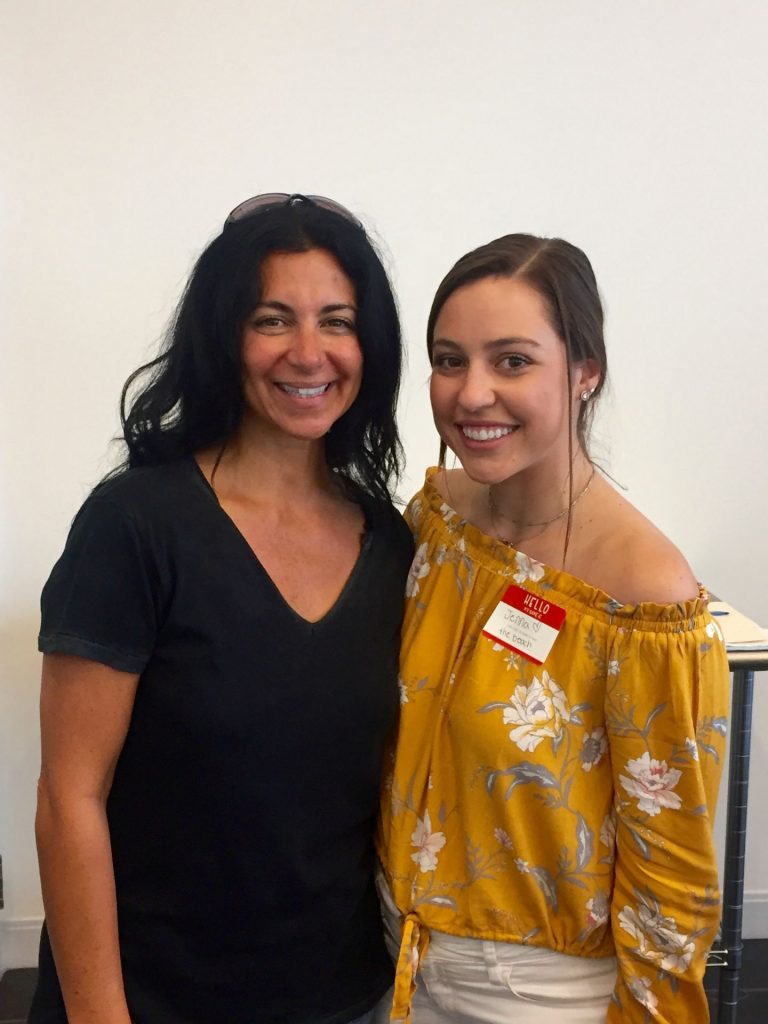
x=635, y=130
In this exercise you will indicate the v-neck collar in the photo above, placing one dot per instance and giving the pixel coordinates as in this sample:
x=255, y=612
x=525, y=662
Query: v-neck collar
x=349, y=583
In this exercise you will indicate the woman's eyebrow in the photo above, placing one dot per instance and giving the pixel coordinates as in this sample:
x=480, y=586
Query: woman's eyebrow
x=513, y=339
x=493, y=345
x=335, y=306
x=282, y=307
x=273, y=304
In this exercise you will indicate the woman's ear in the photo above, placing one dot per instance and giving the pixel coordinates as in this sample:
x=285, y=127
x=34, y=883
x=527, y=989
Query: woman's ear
x=586, y=377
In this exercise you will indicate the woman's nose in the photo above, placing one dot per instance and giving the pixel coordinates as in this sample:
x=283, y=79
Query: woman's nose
x=307, y=351
x=476, y=390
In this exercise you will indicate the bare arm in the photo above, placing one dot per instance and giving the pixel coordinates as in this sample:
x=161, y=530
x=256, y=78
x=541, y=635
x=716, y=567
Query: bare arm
x=85, y=710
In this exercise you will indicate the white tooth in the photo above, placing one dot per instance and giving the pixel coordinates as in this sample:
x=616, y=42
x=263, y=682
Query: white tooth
x=304, y=392
x=484, y=434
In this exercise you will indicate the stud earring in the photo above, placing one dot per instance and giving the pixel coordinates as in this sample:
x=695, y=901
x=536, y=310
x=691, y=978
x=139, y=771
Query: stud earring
x=586, y=395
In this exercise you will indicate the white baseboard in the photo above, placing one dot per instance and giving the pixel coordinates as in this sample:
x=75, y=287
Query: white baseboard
x=19, y=938
x=755, y=921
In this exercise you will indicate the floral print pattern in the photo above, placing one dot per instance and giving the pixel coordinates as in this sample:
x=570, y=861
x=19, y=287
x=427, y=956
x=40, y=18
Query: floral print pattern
x=550, y=804
x=653, y=783
x=419, y=569
x=640, y=989
x=594, y=747
x=658, y=937
x=597, y=910
x=537, y=712
x=608, y=832
x=503, y=839
x=428, y=844
x=527, y=569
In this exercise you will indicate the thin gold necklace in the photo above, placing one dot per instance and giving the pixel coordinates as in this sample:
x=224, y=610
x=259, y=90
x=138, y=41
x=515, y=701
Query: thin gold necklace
x=493, y=513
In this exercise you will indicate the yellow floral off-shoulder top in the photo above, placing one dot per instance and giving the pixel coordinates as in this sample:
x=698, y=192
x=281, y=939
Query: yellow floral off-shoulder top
x=567, y=804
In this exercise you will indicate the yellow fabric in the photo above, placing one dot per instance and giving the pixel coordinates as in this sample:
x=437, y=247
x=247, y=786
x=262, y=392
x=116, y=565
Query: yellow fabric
x=567, y=805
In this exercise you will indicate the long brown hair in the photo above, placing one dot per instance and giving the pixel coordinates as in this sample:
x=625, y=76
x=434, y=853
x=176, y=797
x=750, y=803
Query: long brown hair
x=563, y=276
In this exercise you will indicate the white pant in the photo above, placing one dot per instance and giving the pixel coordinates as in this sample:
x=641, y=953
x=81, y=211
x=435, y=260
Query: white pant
x=472, y=981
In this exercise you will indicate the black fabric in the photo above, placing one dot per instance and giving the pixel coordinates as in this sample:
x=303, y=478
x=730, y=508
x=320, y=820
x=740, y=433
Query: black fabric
x=244, y=800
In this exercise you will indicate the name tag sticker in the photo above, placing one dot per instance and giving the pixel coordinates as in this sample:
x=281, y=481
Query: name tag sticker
x=525, y=623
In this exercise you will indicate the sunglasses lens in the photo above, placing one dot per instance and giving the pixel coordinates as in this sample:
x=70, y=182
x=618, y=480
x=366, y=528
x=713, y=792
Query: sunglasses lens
x=334, y=207
x=256, y=203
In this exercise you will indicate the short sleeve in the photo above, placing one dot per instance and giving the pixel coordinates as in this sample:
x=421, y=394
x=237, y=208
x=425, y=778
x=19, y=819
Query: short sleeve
x=666, y=708
x=101, y=600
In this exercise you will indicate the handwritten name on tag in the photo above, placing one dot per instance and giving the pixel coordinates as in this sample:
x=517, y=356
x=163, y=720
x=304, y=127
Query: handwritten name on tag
x=525, y=623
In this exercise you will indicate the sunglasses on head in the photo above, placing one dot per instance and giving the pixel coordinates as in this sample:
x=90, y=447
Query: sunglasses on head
x=267, y=199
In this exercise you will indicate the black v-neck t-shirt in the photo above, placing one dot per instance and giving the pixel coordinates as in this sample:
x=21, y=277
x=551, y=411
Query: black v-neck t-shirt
x=244, y=800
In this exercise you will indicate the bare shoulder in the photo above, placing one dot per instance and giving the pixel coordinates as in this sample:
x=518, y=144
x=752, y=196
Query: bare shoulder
x=635, y=561
x=658, y=572
x=460, y=492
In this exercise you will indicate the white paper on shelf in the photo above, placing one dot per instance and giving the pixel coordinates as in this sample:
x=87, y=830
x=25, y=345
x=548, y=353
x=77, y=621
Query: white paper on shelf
x=739, y=632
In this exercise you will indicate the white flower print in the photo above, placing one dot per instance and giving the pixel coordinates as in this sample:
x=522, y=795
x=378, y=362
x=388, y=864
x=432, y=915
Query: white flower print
x=692, y=748
x=652, y=783
x=419, y=569
x=527, y=569
x=428, y=844
x=642, y=992
x=403, y=691
x=614, y=667
x=594, y=747
x=447, y=513
x=597, y=910
x=414, y=510
x=608, y=831
x=657, y=937
x=537, y=711
x=521, y=865
x=503, y=839
x=678, y=960
x=509, y=658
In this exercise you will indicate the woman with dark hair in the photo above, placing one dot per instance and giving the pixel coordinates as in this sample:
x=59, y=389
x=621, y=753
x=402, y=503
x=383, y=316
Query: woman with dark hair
x=220, y=640
x=547, y=822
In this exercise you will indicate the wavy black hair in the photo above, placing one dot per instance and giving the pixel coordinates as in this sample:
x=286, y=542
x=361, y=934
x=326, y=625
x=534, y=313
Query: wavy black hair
x=191, y=396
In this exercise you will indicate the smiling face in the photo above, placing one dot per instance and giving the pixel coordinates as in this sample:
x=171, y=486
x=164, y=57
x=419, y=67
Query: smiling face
x=302, y=363
x=499, y=384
